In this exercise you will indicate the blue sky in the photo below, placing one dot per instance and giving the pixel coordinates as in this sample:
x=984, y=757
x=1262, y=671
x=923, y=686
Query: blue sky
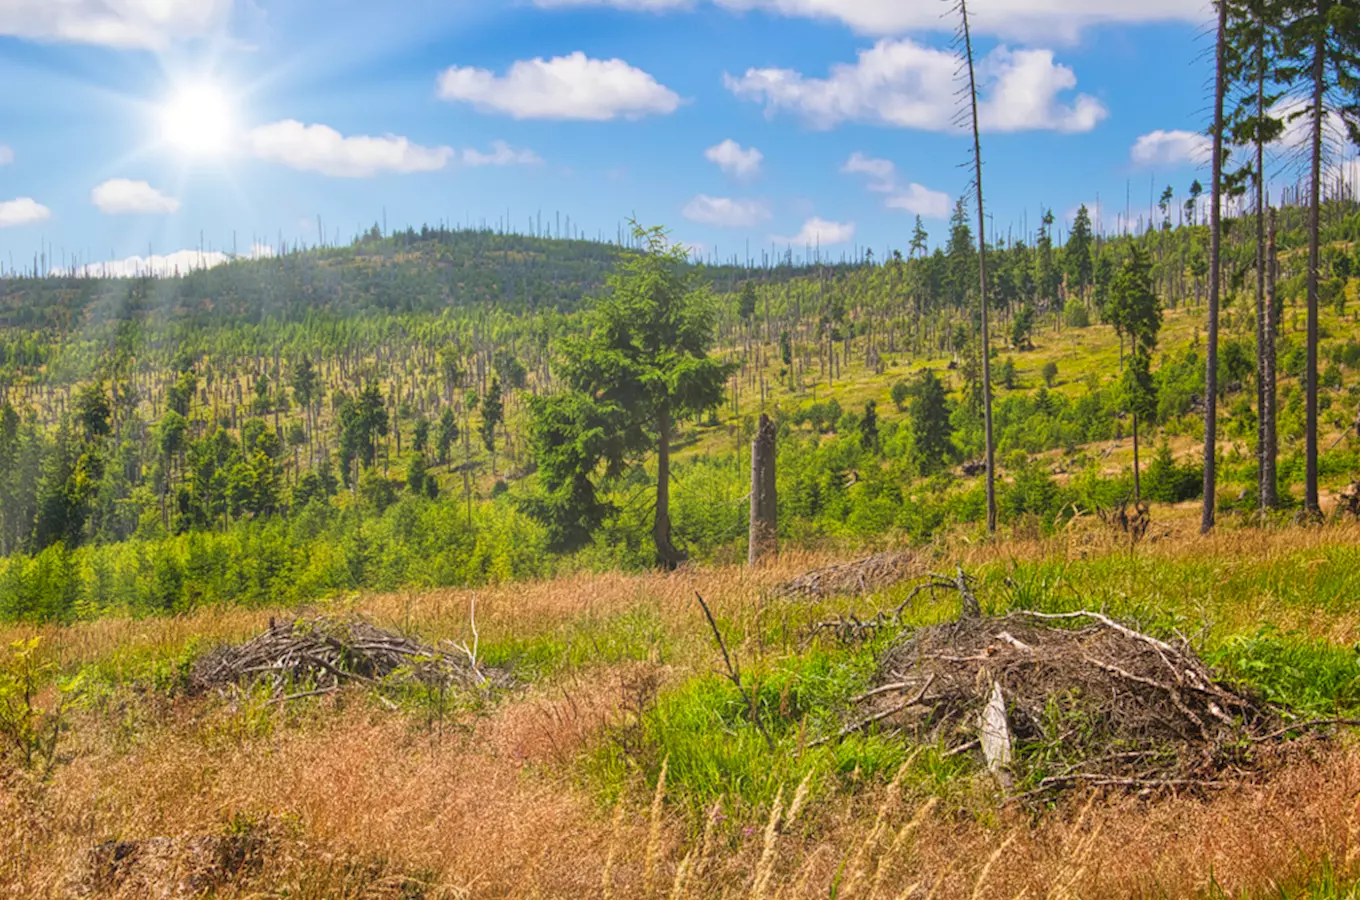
x=136, y=127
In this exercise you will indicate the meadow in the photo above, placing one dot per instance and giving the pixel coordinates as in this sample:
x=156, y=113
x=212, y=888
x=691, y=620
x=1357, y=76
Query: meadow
x=624, y=765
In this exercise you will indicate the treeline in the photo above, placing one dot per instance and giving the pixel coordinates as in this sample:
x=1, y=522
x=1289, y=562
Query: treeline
x=141, y=426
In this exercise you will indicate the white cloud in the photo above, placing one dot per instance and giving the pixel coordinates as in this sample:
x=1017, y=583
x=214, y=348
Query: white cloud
x=6, y=155
x=654, y=6
x=23, y=211
x=318, y=148
x=882, y=172
x=818, y=232
x=921, y=201
x=181, y=262
x=903, y=84
x=1021, y=19
x=566, y=87
x=734, y=160
x=1171, y=148
x=726, y=212
x=1298, y=127
x=133, y=24
x=121, y=195
x=502, y=154
x=913, y=198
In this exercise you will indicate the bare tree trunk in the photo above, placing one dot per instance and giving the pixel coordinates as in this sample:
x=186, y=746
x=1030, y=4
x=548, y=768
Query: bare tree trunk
x=764, y=540
x=667, y=555
x=1269, y=479
x=1311, y=504
x=1137, y=484
x=982, y=277
x=1215, y=248
x=1262, y=258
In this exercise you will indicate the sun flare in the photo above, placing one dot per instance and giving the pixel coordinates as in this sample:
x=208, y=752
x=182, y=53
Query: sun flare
x=199, y=120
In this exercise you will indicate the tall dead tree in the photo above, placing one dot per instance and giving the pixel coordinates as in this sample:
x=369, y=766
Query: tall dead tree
x=764, y=539
x=967, y=38
x=1269, y=395
x=1321, y=51
x=1215, y=274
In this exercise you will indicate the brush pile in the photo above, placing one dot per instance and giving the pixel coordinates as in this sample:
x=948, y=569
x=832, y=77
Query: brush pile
x=322, y=654
x=862, y=576
x=1053, y=701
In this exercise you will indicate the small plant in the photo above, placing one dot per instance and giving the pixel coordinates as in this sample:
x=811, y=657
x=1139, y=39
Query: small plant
x=1007, y=374
x=33, y=714
x=900, y=392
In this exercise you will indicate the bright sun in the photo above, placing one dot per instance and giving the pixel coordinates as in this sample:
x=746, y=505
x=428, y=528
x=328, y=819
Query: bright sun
x=199, y=120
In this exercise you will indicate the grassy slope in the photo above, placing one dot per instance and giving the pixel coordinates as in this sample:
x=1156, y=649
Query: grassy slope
x=514, y=799
x=1078, y=354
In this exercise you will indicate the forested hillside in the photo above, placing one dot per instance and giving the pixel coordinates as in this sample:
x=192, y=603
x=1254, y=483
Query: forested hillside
x=362, y=417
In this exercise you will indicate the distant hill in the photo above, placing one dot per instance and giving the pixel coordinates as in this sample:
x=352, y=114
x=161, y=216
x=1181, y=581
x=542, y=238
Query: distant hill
x=425, y=271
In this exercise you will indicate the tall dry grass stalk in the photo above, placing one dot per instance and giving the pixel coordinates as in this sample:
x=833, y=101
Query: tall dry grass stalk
x=681, y=873
x=607, y=875
x=765, y=867
x=885, y=862
x=654, y=834
x=858, y=867
x=978, y=892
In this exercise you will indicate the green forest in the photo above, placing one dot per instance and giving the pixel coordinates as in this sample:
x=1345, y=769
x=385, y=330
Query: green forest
x=439, y=407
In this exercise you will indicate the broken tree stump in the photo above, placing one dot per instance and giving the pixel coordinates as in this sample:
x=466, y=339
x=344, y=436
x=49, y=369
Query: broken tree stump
x=764, y=540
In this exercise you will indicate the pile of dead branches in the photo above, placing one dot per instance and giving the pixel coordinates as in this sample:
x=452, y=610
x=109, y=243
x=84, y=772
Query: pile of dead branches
x=1054, y=701
x=1099, y=703
x=862, y=576
x=320, y=654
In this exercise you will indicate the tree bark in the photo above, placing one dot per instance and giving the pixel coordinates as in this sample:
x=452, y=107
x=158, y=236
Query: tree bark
x=1137, y=484
x=764, y=540
x=1269, y=479
x=982, y=278
x=1265, y=500
x=1215, y=248
x=666, y=553
x=1312, y=507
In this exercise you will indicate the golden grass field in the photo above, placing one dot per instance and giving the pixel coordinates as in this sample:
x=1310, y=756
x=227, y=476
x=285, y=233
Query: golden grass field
x=354, y=799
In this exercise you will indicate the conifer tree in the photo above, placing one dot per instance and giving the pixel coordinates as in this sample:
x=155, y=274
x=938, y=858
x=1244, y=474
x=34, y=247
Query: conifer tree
x=1079, y=265
x=643, y=363
x=1321, y=61
x=1254, y=35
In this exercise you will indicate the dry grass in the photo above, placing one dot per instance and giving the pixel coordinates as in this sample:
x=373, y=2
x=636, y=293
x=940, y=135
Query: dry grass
x=497, y=808
x=489, y=818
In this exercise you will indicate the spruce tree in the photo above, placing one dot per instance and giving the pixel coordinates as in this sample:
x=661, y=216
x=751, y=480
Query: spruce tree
x=643, y=363
x=1321, y=61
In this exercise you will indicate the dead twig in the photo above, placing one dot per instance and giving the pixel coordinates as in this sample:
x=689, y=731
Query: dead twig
x=876, y=717
x=734, y=673
x=304, y=694
x=1306, y=726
